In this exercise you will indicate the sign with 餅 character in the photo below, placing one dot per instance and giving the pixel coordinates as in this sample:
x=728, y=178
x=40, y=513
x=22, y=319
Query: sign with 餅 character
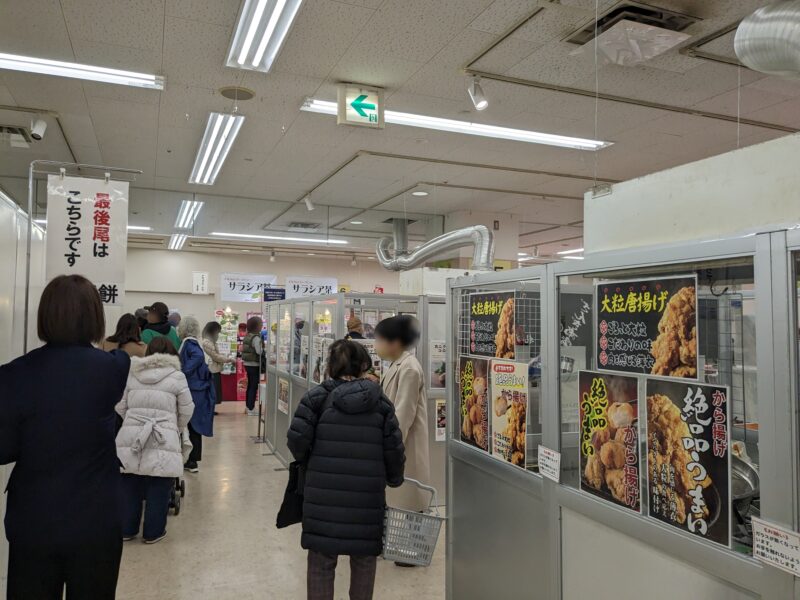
x=298, y=286
x=245, y=287
x=87, y=232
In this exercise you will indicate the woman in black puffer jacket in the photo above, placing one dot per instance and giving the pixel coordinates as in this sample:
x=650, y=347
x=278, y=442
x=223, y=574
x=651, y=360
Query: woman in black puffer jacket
x=347, y=433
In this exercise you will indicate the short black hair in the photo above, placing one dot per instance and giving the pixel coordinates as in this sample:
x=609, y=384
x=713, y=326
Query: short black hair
x=70, y=312
x=348, y=359
x=161, y=345
x=212, y=328
x=402, y=328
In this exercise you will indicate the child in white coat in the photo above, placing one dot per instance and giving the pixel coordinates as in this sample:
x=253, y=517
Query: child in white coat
x=155, y=408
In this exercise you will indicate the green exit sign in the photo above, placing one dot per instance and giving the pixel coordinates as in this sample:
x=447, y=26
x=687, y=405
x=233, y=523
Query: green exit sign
x=360, y=105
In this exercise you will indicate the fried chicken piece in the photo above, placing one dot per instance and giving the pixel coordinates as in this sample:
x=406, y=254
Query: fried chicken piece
x=615, y=480
x=676, y=345
x=594, y=472
x=504, y=338
x=518, y=458
x=501, y=405
x=479, y=435
x=612, y=454
x=479, y=386
x=600, y=437
x=621, y=414
x=619, y=436
x=466, y=428
x=475, y=414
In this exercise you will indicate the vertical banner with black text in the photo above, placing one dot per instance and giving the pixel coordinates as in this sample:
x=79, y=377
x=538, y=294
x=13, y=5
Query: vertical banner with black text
x=87, y=232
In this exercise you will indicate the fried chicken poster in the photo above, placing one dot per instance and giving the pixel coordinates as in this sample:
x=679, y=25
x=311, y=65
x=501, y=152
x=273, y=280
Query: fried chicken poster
x=491, y=325
x=473, y=385
x=688, y=457
x=609, y=438
x=648, y=326
x=509, y=406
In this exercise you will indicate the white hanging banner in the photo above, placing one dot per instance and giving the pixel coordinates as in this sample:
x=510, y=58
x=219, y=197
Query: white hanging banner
x=245, y=287
x=298, y=286
x=87, y=232
x=199, y=282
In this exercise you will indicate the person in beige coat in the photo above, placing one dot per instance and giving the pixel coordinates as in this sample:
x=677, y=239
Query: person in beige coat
x=404, y=384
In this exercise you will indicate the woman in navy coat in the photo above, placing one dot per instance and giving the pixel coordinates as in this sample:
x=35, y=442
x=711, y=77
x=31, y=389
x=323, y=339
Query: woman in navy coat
x=57, y=423
x=193, y=362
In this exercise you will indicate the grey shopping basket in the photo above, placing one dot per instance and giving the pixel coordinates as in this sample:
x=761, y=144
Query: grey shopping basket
x=410, y=537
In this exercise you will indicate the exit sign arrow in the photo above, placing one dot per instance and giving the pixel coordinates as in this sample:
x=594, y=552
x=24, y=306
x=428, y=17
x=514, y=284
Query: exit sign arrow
x=360, y=106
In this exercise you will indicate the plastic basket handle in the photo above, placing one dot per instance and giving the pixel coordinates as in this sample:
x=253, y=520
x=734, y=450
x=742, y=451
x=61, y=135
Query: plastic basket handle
x=432, y=490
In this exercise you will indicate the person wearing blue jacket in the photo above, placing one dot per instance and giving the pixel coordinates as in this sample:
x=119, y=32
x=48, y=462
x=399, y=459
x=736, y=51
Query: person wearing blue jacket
x=57, y=423
x=193, y=363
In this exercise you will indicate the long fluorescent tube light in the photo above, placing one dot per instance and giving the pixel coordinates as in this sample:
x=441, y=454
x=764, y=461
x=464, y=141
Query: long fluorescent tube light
x=325, y=107
x=221, y=131
x=176, y=241
x=568, y=257
x=573, y=251
x=130, y=227
x=187, y=214
x=260, y=33
x=277, y=238
x=30, y=64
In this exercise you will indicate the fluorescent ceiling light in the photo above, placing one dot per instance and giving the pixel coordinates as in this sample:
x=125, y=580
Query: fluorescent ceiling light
x=260, y=32
x=139, y=228
x=573, y=251
x=176, y=241
x=29, y=64
x=419, y=193
x=573, y=257
x=326, y=107
x=40, y=221
x=522, y=254
x=277, y=238
x=356, y=222
x=187, y=214
x=221, y=131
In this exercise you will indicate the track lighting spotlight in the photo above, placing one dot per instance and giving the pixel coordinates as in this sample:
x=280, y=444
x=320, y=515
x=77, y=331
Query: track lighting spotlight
x=309, y=204
x=476, y=94
x=272, y=256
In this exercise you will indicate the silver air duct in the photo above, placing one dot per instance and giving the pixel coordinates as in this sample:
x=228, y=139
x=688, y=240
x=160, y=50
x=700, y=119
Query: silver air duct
x=768, y=41
x=477, y=235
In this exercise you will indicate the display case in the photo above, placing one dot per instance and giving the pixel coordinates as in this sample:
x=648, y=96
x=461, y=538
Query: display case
x=304, y=328
x=659, y=388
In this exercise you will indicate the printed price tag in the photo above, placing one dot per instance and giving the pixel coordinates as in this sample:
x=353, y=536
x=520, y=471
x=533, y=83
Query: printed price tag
x=549, y=463
x=776, y=546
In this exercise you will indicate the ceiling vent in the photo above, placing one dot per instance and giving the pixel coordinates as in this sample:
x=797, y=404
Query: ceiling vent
x=16, y=137
x=301, y=226
x=390, y=221
x=636, y=12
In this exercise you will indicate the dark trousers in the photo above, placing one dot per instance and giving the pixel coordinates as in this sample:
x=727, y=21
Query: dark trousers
x=197, y=445
x=216, y=378
x=154, y=492
x=88, y=571
x=253, y=374
x=322, y=572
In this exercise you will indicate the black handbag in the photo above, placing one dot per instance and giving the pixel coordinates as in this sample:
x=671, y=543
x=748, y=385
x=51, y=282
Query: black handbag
x=291, y=510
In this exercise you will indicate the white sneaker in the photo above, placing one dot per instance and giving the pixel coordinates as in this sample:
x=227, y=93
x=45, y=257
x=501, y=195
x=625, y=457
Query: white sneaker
x=252, y=413
x=156, y=540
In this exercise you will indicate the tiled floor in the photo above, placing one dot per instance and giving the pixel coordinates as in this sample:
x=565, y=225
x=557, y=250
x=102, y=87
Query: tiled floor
x=224, y=544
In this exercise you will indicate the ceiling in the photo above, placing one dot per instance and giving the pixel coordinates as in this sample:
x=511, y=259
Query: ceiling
x=417, y=50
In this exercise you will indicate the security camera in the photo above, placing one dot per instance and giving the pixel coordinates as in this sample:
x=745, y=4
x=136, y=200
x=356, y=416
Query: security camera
x=38, y=128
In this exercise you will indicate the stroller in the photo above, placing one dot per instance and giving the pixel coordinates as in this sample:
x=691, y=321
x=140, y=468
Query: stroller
x=179, y=489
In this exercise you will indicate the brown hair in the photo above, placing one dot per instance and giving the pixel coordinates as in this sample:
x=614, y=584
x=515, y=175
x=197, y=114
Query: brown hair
x=161, y=345
x=127, y=330
x=70, y=312
x=348, y=359
x=254, y=324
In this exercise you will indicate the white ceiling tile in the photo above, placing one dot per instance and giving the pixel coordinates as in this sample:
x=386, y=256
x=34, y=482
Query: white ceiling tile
x=79, y=130
x=194, y=54
x=217, y=12
x=115, y=56
x=47, y=93
x=137, y=24
x=34, y=28
x=501, y=15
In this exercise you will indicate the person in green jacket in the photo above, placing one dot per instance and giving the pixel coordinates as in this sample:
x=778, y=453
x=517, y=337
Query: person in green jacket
x=158, y=326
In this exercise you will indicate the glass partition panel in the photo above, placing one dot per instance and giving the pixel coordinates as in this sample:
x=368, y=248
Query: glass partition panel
x=272, y=335
x=497, y=367
x=285, y=329
x=658, y=394
x=323, y=335
x=301, y=344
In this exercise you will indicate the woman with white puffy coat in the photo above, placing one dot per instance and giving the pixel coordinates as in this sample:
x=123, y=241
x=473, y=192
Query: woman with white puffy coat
x=155, y=407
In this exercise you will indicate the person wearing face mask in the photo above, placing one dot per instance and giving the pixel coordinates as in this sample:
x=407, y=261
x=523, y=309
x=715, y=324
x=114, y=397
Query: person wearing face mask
x=215, y=359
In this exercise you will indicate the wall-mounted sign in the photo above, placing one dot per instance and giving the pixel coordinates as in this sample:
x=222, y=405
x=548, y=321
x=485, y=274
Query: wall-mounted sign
x=549, y=463
x=274, y=293
x=509, y=407
x=244, y=287
x=491, y=324
x=441, y=419
x=438, y=366
x=688, y=457
x=87, y=232
x=299, y=286
x=283, y=395
x=777, y=546
x=648, y=326
x=360, y=105
x=473, y=387
x=200, y=282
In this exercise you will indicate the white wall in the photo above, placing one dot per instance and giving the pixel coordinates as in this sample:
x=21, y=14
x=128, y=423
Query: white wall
x=164, y=275
x=739, y=191
x=506, y=239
